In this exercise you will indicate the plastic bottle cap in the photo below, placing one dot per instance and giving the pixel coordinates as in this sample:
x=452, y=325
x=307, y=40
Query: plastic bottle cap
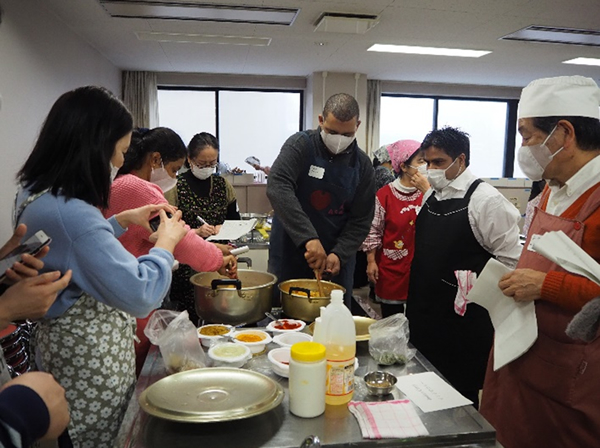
x=337, y=295
x=307, y=351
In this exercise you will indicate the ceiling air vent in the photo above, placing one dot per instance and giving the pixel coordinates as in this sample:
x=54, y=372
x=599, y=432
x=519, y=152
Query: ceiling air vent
x=556, y=35
x=334, y=22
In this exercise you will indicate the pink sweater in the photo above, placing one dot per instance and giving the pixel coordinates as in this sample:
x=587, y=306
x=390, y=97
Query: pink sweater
x=130, y=191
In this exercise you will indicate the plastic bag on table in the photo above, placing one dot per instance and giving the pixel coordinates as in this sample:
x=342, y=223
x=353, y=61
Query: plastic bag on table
x=177, y=338
x=388, y=343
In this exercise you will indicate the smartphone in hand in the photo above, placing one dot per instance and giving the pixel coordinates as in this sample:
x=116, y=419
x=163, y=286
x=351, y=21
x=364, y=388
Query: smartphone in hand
x=31, y=246
x=155, y=222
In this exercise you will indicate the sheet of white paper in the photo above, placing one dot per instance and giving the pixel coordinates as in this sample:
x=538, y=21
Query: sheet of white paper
x=562, y=250
x=430, y=392
x=514, y=323
x=234, y=229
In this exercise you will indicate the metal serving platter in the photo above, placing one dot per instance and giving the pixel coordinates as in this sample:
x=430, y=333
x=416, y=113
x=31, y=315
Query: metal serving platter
x=211, y=395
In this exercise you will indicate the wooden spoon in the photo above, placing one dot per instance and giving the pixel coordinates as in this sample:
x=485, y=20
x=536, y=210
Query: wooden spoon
x=319, y=285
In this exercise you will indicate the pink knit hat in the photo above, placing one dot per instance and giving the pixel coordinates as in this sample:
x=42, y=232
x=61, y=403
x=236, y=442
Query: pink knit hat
x=401, y=151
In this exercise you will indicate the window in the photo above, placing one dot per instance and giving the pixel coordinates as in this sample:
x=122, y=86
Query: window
x=246, y=122
x=485, y=122
x=404, y=117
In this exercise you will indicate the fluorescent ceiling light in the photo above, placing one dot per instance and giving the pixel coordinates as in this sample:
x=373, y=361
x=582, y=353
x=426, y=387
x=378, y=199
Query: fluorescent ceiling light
x=432, y=51
x=556, y=35
x=166, y=10
x=204, y=39
x=583, y=61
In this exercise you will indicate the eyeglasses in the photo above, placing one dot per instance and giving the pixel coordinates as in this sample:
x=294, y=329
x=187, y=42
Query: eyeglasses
x=205, y=165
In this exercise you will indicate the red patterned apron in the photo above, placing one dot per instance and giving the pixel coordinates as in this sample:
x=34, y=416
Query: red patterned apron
x=549, y=397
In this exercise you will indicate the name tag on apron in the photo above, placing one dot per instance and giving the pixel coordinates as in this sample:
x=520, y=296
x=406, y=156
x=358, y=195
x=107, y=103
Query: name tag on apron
x=532, y=241
x=316, y=171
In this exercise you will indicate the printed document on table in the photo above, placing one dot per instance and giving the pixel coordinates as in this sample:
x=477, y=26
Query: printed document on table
x=430, y=392
x=562, y=250
x=233, y=229
x=514, y=323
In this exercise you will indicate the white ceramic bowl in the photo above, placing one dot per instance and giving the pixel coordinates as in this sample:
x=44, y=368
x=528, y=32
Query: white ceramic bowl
x=255, y=347
x=208, y=340
x=286, y=325
x=229, y=354
x=290, y=338
x=280, y=361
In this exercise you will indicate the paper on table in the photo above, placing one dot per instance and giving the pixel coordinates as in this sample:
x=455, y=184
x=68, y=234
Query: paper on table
x=562, y=250
x=430, y=392
x=514, y=323
x=234, y=229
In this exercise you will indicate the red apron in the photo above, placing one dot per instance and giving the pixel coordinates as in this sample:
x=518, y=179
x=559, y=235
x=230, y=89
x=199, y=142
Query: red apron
x=549, y=396
x=398, y=243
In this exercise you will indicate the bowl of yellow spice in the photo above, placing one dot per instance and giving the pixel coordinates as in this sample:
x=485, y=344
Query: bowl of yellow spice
x=255, y=340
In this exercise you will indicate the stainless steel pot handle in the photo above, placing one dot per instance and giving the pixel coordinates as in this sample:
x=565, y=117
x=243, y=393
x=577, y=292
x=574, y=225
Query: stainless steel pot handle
x=226, y=282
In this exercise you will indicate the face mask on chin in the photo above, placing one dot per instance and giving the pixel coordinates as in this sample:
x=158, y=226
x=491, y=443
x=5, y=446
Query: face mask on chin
x=202, y=173
x=336, y=143
x=437, y=177
x=534, y=159
x=163, y=179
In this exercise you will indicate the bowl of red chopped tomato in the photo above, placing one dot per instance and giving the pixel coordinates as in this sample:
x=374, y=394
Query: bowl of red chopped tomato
x=285, y=325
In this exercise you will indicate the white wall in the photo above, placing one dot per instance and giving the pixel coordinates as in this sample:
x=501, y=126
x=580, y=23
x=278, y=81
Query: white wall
x=40, y=59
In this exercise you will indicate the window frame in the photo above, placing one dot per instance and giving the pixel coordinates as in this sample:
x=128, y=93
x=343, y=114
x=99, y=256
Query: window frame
x=511, y=121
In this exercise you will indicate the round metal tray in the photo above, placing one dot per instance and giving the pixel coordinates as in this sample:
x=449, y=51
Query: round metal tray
x=211, y=395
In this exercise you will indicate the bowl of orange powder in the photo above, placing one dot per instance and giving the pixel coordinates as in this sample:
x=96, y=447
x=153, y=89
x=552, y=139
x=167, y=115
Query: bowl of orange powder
x=255, y=340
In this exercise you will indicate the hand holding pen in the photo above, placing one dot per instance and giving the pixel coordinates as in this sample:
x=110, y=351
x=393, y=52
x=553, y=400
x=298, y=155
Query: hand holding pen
x=205, y=230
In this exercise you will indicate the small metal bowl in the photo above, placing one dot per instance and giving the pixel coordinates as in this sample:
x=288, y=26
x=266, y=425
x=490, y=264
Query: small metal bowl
x=380, y=383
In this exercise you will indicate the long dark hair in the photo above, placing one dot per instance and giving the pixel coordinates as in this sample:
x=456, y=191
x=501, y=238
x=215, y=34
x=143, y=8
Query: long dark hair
x=146, y=141
x=77, y=141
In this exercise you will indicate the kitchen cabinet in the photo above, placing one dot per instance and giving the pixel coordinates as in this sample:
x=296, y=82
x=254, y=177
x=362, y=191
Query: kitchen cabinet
x=252, y=198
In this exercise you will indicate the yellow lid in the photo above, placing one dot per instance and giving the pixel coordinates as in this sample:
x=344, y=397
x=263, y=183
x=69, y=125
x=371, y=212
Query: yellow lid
x=307, y=351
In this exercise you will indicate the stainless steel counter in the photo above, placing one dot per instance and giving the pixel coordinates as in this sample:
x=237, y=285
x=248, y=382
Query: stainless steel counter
x=460, y=427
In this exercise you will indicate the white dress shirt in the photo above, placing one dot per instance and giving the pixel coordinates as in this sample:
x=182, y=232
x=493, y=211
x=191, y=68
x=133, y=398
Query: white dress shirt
x=561, y=198
x=494, y=220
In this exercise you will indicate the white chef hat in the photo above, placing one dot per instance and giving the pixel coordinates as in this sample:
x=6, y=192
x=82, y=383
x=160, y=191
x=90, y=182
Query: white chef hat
x=563, y=96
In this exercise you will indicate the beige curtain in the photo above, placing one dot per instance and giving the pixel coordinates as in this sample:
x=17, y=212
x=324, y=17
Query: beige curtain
x=373, y=106
x=140, y=95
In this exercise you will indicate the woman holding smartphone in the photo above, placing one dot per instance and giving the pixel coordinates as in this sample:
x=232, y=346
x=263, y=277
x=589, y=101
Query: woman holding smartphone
x=150, y=169
x=86, y=338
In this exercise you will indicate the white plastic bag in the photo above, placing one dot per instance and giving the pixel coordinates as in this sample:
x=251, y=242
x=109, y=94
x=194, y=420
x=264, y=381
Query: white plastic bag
x=388, y=343
x=177, y=339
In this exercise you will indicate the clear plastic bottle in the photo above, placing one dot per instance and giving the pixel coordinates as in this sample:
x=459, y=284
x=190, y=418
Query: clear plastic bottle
x=307, y=379
x=339, y=335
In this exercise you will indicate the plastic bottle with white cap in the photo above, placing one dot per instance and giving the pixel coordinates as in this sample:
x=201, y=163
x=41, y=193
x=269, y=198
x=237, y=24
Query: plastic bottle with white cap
x=339, y=336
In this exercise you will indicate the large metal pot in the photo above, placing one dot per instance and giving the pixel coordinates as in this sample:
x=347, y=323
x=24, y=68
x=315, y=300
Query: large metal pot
x=300, y=298
x=233, y=301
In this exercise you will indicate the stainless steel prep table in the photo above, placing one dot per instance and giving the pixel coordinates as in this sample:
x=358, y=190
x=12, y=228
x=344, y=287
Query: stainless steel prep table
x=460, y=427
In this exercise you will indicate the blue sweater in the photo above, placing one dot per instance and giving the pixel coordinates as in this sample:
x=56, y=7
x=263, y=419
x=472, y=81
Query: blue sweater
x=84, y=241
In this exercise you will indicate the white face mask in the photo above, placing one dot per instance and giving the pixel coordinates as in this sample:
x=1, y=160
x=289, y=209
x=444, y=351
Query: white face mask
x=534, y=159
x=336, y=143
x=202, y=173
x=422, y=169
x=163, y=179
x=113, y=172
x=437, y=178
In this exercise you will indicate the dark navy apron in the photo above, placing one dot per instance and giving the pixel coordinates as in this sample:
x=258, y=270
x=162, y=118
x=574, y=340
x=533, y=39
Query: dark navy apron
x=327, y=203
x=458, y=346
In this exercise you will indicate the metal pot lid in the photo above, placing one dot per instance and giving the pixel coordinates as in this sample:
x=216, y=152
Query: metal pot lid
x=211, y=395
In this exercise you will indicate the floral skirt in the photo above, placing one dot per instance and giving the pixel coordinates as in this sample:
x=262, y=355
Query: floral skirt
x=90, y=352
